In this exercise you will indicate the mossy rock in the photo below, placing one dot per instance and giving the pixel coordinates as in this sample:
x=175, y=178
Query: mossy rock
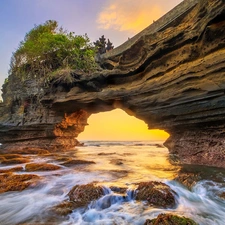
x=12, y=161
x=156, y=193
x=117, y=162
x=13, y=182
x=82, y=195
x=170, y=219
x=74, y=162
x=188, y=179
x=29, y=151
x=10, y=156
x=119, y=190
x=64, y=208
x=41, y=167
x=14, y=169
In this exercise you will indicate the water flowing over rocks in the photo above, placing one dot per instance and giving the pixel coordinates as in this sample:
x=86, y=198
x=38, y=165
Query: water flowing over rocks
x=155, y=193
x=171, y=75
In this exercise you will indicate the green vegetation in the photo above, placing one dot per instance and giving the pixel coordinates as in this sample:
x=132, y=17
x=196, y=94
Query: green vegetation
x=170, y=219
x=6, y=81
x=48, y=52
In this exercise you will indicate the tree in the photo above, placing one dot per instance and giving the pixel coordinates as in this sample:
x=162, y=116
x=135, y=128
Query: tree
x=102, y=46
x=109, y=46
x=48, y=51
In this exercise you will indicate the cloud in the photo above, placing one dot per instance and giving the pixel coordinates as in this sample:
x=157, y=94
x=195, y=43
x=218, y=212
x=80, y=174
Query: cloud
x=128, y=15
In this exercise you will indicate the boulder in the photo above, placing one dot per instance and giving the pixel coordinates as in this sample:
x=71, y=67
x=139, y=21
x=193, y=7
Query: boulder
x=170, y=219
x=82, y=195
x=156, y=194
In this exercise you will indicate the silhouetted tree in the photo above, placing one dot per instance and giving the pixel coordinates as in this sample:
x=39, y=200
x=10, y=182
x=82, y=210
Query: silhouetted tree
x=109, y=46
x=102, y=46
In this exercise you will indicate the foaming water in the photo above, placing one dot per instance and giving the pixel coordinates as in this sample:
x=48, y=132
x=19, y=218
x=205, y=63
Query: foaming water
x=118, y=164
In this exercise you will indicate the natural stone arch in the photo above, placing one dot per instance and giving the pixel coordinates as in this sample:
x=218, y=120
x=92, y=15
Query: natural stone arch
x=172, y=78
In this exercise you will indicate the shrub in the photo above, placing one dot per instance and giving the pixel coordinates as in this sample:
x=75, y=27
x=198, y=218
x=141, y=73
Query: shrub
x=48, y=50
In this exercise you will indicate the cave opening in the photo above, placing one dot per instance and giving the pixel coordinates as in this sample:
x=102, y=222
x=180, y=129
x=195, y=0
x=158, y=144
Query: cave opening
x=117, y=125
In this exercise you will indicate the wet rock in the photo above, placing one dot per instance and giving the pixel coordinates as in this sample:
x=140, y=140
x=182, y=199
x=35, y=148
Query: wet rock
x=169, y=219
x=74, y=162
x=119, y=173
x=43, y=152
x=119, y=190
x=41, y=167
x=10, y=156
x=82, y=195
x=188, y=179
x=13, y=182
x=12, y=160
x=14, y=169
x=64, y=208
x=159, y=146
x=117, y=162
x=28, y=151
x=103, y=153
x=222, y=195
x=62, y=158
x=156, y=193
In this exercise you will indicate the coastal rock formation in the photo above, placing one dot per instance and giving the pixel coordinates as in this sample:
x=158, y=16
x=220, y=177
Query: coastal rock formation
x=17, y=182
x=164, y=219
x=171, y=76
x=83, y=194
x=156, y=193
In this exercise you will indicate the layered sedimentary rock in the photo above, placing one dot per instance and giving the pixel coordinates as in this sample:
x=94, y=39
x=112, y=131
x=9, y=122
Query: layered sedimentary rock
x=172, y=77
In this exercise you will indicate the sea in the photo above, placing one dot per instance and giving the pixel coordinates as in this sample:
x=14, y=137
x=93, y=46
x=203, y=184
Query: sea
x=120, y=164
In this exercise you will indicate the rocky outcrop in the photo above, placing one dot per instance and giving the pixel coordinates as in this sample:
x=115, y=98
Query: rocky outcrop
x=164, y=219
x=83, y=194
x=172, y=78
x=156, y=194
x=17, y=182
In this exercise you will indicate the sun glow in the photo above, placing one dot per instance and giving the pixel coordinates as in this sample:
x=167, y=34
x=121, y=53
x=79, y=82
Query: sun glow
x=128, y=15
x=118, y=125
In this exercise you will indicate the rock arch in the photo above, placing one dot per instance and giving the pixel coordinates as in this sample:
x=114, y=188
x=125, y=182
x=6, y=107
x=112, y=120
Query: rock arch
x=172, y=78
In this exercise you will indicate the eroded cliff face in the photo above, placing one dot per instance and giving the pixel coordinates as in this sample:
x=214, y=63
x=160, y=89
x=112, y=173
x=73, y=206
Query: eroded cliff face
x=173, y=79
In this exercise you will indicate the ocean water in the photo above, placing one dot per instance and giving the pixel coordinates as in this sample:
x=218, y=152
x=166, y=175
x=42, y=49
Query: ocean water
x=122, y=164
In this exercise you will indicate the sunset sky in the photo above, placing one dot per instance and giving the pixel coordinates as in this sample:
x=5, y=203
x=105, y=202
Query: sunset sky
x=118, y=20
x=117, y=125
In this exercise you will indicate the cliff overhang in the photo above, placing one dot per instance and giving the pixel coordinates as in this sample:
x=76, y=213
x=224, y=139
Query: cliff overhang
x=171, y=76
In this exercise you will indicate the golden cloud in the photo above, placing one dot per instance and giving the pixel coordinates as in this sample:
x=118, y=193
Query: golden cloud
x=128, y=15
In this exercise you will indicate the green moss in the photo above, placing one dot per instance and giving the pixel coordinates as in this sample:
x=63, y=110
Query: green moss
x=170, y=219
x=156, y=193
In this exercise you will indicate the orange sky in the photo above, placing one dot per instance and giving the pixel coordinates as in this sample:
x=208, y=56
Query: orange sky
x=118, y=125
